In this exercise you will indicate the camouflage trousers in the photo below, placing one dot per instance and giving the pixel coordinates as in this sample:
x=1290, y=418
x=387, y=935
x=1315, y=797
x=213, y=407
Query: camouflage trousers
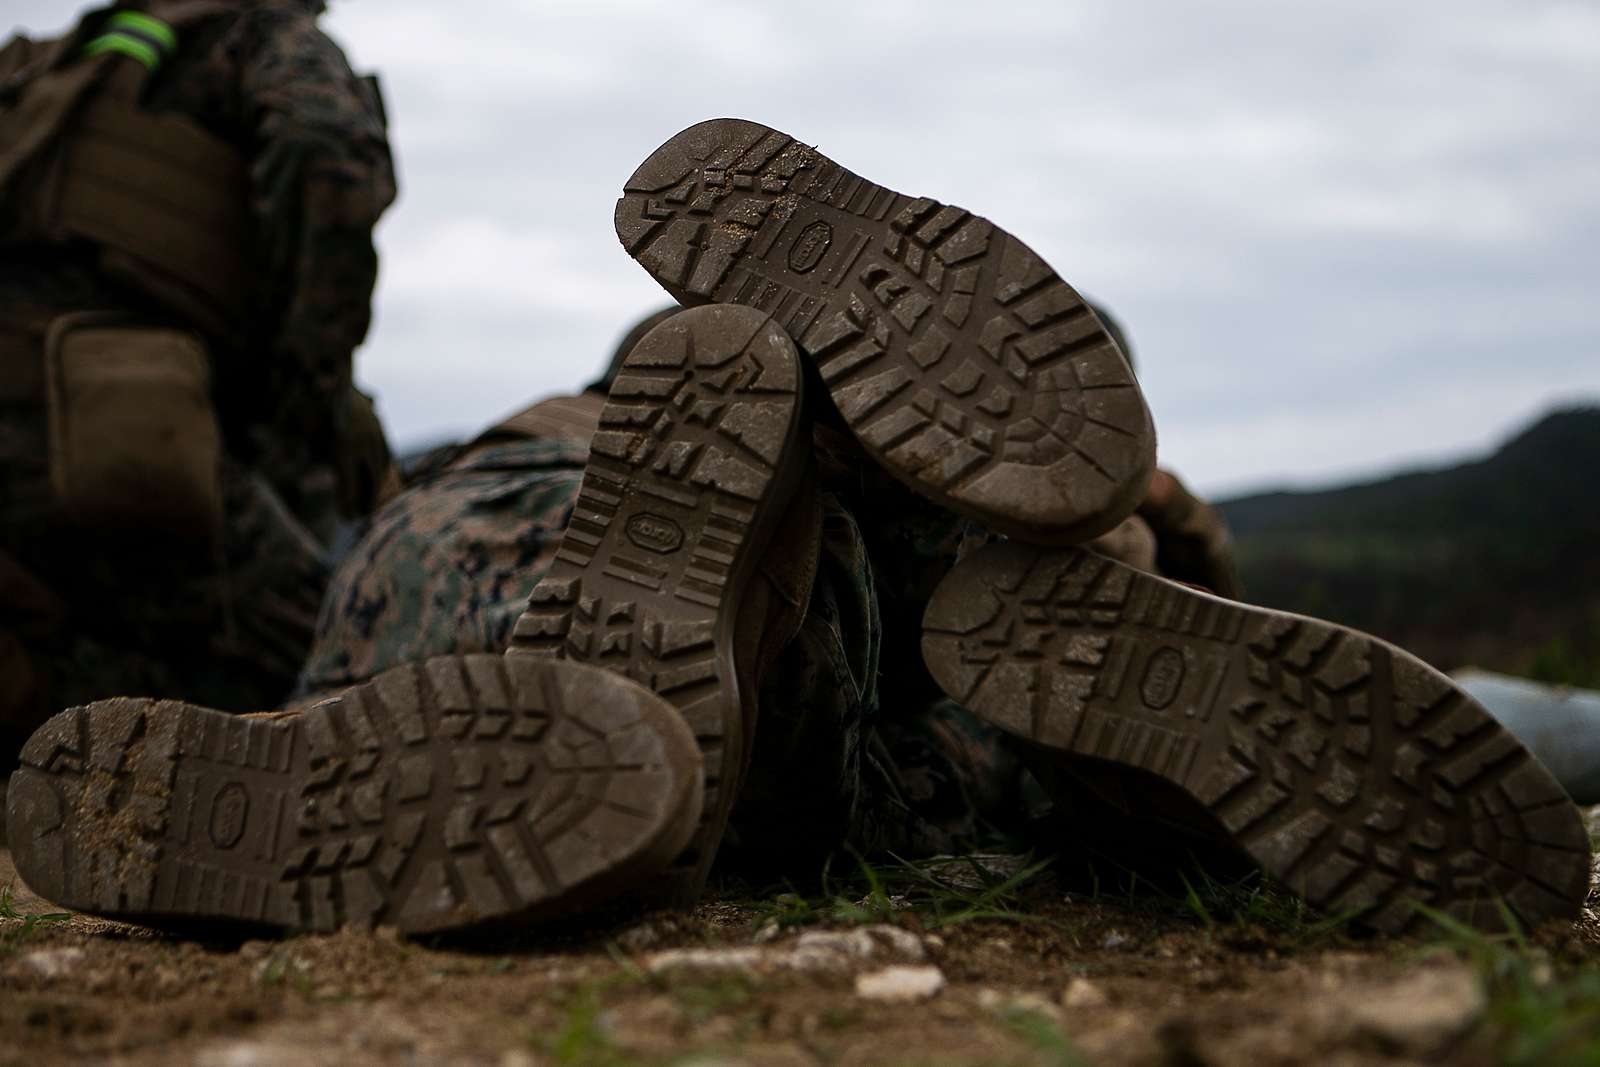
x=854, y=745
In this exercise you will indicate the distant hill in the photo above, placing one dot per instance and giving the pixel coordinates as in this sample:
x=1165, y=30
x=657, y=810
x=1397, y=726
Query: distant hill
x=1494, y=562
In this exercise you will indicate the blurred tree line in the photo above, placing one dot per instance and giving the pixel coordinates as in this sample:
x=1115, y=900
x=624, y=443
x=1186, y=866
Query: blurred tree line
x=1493, y=563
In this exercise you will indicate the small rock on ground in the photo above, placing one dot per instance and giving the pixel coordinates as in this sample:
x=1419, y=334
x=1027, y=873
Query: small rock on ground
x=1082, y=993
x=813, y=951
x=52, y=962
x=1024, y=1001
x=1418, y=1014
x=901, y=984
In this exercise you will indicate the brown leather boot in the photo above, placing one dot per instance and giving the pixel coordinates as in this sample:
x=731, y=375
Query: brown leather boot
x=962, y=362
x=463, y=791
x=1347, y=768
x=660, y=575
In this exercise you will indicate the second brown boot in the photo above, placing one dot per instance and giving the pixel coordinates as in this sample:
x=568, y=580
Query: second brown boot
x=959, y=358
x=444, y=795
x=1353, y=772
x=697, y=456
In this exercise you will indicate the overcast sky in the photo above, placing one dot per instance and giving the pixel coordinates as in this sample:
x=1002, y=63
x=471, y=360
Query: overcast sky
x=1344, y=236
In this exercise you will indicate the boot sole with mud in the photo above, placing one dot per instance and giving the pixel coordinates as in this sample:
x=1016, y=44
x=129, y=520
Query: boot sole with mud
x=1355, y=774
x=695, y=459
x=960, y=360
x=463, y=791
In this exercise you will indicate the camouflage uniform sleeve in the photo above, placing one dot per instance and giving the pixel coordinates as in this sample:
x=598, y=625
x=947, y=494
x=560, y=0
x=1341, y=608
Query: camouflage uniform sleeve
x=321, y=175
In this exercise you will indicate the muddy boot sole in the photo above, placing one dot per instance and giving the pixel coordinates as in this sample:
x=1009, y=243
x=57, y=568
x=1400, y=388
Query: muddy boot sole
x=956, y=355
x=695, y=458
x=1354, y=773
x=463, y=791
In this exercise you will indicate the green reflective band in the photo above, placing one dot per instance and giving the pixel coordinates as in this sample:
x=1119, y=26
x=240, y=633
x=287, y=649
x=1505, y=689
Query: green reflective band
x=128, y=46
x=148, y=25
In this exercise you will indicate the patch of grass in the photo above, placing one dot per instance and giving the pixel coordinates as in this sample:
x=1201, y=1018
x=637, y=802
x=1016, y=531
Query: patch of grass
x=1539, y=1013
x=275, y=970
x=792, y=908
x=942, y=891
x=854, y=899
x=947, y=891
x=1255, y=901
x=1044, y=1036
x=581, y=1036
x=1231, y=903
x=704, y=1000
x=580, y=1039
x=12, y=938
x=282, y=968
x=981, y=893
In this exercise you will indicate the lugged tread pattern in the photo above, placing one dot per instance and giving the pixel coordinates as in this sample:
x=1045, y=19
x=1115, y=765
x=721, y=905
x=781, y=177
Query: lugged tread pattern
x=462, y=790
x=1350, y=770
x=690, y=468
x=961, y=361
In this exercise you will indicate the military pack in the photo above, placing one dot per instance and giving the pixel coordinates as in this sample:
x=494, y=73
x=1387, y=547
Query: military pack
x=162, y=199
x=133, y=438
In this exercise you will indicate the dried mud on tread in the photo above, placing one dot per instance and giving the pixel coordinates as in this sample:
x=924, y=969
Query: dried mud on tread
x=1086, y=982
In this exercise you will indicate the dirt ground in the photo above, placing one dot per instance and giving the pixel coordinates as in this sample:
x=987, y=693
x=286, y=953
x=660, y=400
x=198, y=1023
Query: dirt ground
x=1055, y=977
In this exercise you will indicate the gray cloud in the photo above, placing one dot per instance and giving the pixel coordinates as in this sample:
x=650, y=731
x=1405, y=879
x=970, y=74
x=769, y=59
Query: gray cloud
x=1342, y=236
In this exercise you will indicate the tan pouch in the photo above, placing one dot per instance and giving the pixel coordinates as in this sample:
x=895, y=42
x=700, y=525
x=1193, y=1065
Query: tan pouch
x=134, y=442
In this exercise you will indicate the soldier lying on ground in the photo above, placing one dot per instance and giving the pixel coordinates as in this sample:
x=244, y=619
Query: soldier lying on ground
x=780, y=577
x=187, y=195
